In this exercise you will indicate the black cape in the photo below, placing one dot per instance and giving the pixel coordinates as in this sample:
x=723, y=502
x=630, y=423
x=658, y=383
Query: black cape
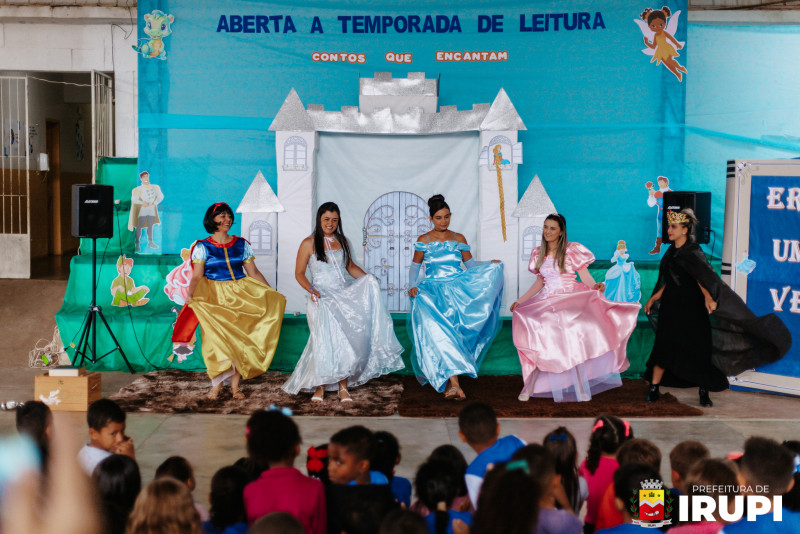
x=740, y=340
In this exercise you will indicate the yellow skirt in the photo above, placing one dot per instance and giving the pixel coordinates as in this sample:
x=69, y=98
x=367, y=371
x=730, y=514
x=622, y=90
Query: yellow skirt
x=240, y=322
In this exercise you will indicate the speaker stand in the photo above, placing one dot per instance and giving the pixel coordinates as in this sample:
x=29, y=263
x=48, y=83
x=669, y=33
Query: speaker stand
x=84, y=349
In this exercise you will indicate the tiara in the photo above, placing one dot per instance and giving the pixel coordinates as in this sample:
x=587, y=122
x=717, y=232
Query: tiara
x=676, y=217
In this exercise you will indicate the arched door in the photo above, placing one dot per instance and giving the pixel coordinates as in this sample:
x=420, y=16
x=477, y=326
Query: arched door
x=391, y=227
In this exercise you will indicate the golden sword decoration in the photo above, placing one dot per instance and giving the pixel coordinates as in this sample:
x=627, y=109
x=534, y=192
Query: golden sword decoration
x=497, y=159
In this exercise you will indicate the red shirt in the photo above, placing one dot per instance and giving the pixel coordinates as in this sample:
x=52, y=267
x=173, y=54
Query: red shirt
x=285, y=489
x=597, y=482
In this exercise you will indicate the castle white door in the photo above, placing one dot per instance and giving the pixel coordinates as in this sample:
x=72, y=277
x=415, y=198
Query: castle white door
x=391, y=227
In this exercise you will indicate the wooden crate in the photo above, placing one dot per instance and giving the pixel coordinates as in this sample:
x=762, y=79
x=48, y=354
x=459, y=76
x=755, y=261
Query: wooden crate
x=68, y=393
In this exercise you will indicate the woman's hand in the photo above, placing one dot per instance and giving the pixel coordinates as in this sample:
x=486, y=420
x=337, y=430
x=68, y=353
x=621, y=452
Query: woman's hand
x=711, y=306
x=497, y=261
x=648, y=305
x=413, y=292
x=315, y=296
x=600, y=286
x=514, y=305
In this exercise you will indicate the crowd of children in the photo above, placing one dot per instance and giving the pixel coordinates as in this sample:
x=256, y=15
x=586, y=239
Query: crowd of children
x=510, y=487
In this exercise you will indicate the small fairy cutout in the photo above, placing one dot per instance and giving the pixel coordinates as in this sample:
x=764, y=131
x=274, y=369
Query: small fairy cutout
x=658, y=27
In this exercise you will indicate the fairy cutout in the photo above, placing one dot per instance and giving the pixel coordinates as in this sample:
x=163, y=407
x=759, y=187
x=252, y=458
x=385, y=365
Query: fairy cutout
x=659, y=38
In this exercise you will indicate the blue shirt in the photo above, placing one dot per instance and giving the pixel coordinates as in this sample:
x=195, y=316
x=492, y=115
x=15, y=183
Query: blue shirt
x=238, y=528
x=466, y=517
x=790, y=522
x=375, y=477
x=501, y=451
x=401, y=490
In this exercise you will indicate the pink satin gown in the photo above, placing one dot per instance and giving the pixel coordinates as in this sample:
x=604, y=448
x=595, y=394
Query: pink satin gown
x=571, y=340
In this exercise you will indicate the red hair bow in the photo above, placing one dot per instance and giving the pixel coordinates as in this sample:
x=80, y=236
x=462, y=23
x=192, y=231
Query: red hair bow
x=315, y=457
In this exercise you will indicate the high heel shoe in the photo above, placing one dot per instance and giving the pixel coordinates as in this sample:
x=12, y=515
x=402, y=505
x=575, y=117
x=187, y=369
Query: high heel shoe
x=653, y=393
x=705, y=400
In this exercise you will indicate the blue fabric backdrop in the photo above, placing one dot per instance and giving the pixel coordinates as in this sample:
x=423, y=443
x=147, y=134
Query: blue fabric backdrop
x=602, y=119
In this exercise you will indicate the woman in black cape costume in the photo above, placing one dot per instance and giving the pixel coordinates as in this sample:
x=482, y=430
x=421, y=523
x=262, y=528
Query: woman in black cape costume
x=704, y=331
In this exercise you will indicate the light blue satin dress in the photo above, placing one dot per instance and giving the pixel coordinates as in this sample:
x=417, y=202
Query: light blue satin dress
x=623, y=283
x=456, y=314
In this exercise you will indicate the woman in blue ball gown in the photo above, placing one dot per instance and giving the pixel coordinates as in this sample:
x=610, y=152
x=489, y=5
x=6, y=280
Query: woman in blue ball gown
x=455, y=313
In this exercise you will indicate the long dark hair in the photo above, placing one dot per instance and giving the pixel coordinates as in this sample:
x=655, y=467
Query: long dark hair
x=118, y=482
x=319, y=235
x=561, y=246
x=507, y=502
x=561, y=444
x=437, y=483
x=451, y=454
x=608, y=434
x=227, y=503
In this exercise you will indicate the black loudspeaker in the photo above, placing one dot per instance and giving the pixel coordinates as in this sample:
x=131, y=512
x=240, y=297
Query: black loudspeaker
x=92, y=210
x=699, y=202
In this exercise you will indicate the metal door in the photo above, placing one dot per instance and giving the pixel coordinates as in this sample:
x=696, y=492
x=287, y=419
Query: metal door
x=391, y=227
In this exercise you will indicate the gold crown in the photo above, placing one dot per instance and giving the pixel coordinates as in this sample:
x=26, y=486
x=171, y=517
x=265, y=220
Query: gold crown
x=676, y=217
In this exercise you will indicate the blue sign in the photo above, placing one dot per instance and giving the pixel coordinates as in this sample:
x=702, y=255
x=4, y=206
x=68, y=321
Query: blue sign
x=774, y=284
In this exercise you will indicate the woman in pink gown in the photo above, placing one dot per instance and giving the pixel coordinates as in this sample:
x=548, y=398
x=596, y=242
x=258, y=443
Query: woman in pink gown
x=571, y=340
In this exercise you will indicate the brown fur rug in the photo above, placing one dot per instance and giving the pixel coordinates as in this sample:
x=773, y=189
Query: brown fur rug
x=185, y=392
x=501, y=392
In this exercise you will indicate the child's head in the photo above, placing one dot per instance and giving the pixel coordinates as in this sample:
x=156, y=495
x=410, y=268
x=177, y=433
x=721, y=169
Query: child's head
x=453, y=456
x=608, y=434
x=227, y=503
x=317, y=463
x=350, y=454
x=437, y=485
x=507, y=501
x=628, y=481
x=655, y=15
x=106, y=424
x=277, y=523
x=712, y=477
x=272, y=438
x=640, y=451
x=178, y=468
x=768, y=464
x=363, y=514
x=563, y=448
x=387, y=454
x=682, y=457
x=35, y=420
x=164, y=505
x=402, y=521
x=117, y=481
x=541, y=466
x=477, y=425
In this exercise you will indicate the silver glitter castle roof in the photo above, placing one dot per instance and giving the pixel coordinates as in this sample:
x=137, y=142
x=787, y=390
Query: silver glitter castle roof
x=499, y=116
x=535, y=202
x=260, y=198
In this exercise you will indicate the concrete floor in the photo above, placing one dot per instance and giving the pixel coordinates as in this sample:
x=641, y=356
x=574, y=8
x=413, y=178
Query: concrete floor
x=212, y=441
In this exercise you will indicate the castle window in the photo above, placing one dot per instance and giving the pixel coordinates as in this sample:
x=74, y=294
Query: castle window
x=294, y=154
x=260, y=237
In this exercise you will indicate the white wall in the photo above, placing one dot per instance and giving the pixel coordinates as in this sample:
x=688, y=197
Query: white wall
x=78, y=39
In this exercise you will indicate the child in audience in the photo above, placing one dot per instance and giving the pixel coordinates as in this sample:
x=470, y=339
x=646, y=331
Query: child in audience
x=35, y=420
x=627, y=481
x=350, y=453
x=767, y=464
x=118, y=482
x=453, y=456
x=791, y=500
x=478, y=428
x=437, y=483
x=228, y=515
x=633, y=451
x=681, y=458
x=403, y=521
x=277, y=523
x=608, y=434
x=561, y=445
x=274, y=439
x=542, y=471
x=387, y=457
x=507, y=502
x=718, y=475
x=181, y=470
x=106, y=435
x=164, y=505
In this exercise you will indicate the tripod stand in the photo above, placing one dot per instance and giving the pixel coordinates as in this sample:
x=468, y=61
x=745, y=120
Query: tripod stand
x=84, y=349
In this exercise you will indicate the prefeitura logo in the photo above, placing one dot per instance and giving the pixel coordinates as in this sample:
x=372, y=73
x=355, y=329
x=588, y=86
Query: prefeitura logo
x=651, y=506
